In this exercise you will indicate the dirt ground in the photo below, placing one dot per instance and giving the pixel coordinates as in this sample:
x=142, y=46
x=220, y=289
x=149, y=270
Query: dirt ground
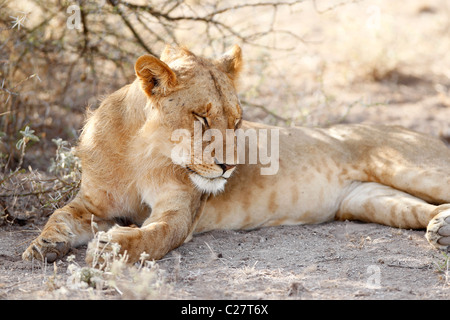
x=336, y=260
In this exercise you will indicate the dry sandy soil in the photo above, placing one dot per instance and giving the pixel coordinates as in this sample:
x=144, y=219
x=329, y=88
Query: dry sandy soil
x=332, y=261
x=392, y=70
x=338, y=260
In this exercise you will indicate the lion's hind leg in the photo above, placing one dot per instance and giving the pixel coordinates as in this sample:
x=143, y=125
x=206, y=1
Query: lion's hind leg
x=374, y=202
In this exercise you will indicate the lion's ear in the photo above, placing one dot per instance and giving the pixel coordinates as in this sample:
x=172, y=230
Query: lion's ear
x=154, y=74
x=172, y=53
x=231, y=62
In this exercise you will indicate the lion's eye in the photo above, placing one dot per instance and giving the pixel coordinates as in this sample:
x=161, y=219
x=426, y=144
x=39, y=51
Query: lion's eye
x=203, y=120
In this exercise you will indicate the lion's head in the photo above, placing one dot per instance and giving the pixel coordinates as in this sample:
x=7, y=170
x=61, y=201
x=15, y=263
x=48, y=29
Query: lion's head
x=197, y=96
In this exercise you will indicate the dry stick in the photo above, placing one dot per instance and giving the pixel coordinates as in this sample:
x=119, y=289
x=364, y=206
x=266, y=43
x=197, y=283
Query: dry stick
x=36, y=193
x=209, y=19
x=340, y=4
x=125, y=20
x=85, y=27
x=259, y=106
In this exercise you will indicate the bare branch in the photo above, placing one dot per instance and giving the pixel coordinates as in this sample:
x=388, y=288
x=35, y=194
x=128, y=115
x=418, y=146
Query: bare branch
x=263, y=108
x=141, y=42
x=333, y=7
x=209, y=20
x=259, y=4
x=85, y=27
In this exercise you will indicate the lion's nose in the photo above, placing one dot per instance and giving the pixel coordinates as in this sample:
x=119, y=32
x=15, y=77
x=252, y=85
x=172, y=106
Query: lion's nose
x=225, y=167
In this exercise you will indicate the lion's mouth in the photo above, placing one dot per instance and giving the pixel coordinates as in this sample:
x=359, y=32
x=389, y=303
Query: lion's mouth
x=190, y=170
x=212, y=185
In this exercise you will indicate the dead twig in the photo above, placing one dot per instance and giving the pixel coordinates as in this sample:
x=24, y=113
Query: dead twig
x=263, y=108
x=138, y=38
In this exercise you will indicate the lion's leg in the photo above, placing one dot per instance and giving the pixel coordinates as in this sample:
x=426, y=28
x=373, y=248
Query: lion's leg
x=67, y=227
x=431, y=184
x=174, y=214
x=374, y=202
x=417, y=164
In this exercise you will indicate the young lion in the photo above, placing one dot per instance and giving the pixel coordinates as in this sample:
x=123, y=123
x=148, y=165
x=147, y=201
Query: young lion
x=382, y=174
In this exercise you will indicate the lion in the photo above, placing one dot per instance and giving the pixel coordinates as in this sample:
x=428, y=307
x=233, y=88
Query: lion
x=375, y=173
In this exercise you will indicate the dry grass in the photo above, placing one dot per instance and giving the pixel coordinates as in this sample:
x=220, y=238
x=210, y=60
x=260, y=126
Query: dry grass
x=141, y=281
x=113, y=277
x=443, y=268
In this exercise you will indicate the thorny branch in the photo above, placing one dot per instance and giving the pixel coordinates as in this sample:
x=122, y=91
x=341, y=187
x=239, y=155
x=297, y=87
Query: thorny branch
x=209, y=19
x=138, y=38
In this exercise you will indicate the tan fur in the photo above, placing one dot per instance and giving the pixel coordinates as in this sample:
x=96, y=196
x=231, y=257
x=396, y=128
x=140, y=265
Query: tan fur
x=382, y=174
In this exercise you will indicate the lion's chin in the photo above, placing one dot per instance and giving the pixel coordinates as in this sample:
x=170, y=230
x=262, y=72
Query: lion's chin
x=207, y=185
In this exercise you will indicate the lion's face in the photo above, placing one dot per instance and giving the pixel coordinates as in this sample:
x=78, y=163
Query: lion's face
x=195, y=100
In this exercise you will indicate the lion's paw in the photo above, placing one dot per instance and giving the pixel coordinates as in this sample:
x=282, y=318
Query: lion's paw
x=52, y=244
x=118, y=242
x=438, y=230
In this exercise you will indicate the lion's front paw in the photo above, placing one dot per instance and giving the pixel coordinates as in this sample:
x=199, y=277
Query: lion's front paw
x=52, y=244
x=438, y=230
x=123, y=242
